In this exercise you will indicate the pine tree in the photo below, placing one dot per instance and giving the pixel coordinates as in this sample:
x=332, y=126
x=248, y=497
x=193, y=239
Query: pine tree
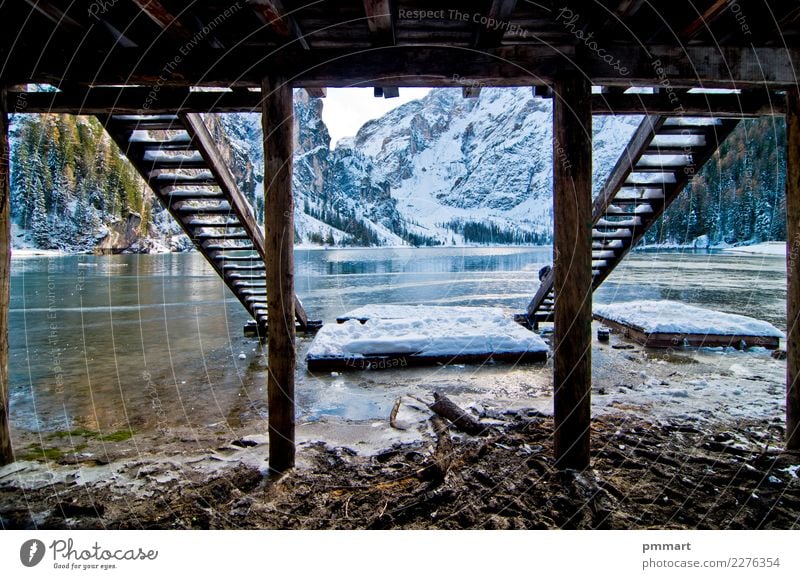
x=39, y=222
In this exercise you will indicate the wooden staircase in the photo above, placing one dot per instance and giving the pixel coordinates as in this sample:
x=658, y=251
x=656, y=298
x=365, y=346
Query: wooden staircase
x=177, y=157
x=661, y=158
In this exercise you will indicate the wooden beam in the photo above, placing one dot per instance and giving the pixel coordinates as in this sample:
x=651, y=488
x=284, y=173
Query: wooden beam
x=317, y=93
x=6, y=452
x=708, y=16
x=471, y=92
x=757, y=104
x=793, y=270
x=572, y=209
x=55, y=14
x=273, y=14
x=424, y=66
x=380, y=20
x=165, y=20
x=497, y=19
x=624, y=10
x=542, y=91
x=277, y=123
x=102, y=100
x=119, y=36
x=165, y=100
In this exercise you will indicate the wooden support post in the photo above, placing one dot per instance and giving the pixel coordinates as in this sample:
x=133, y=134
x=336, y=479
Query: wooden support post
x=572, y=202
x=793, y=269
x=6, y=453
x=277, y=123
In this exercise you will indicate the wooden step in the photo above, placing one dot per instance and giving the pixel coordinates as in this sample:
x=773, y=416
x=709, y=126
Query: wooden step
x=174, y=180
x=667, y=150
x=221, y=247
x=180, y=142
x=243, y=276
x=609, y=235
x=663, y=161
x=678, y=141
x=192, y=194
x=638, y=194
x=609, y=243
x=637, y=179
x=681, y=130
x=226, y=258
x=222, y=209
x=214, y=224
x=176, y=162
x=655, y=169
x=237, y=267
x=631, y=222
x=217, y=236
x=692, y=121
x=146, y=122
x=625, y=209
x=253, y=294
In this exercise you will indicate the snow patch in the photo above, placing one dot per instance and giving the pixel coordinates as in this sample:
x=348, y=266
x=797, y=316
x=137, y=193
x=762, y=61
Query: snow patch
x=424, y=331
x=671, y=317
x=766, y=248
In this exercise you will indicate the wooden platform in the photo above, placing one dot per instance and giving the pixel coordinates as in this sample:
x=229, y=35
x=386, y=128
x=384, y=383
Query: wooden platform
x=656, y=335
x=386, y=337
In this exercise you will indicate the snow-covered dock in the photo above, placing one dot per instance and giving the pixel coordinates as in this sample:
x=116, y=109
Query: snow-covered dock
x=387, y=336
x=666, y=324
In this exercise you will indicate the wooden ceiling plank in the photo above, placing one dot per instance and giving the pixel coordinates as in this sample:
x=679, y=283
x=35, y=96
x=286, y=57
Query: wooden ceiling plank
x=162, y=17
x=703, y=21
x=273, y=14
x=54, y=14
x=380, y=21
x=497, y=21
x=317, y=93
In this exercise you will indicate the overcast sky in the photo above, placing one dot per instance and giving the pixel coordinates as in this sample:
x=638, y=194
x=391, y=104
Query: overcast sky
x=346, y=109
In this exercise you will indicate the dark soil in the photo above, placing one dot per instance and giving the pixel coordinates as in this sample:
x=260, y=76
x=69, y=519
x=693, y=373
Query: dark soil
x=642, y=476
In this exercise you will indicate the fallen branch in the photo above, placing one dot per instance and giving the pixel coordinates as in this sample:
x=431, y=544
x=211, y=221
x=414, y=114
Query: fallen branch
x=393, y=415
x=464, y=422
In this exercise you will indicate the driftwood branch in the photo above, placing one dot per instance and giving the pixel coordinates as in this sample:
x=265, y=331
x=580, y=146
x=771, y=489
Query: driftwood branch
x=461, y=420
x=393, y=414
x=442, y=458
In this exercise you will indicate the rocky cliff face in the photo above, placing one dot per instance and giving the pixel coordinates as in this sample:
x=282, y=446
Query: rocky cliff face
x=424, y=171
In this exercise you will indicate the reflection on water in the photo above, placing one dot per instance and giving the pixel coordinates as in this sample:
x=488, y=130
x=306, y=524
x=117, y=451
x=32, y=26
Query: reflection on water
x=153, y=341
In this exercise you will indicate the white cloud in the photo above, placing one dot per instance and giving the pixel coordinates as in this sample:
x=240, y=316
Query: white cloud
x=345, y=110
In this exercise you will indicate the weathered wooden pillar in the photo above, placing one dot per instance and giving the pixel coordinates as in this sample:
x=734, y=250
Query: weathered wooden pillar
x=6, y=454
x=277, y=123
x=572, y=203
x=793, y=269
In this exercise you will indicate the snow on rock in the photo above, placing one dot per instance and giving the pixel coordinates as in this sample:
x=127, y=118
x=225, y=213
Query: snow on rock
x=424, y=331
x=669, y=317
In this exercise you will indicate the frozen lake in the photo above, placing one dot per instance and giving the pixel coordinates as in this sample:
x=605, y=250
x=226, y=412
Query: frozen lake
x=150, y=341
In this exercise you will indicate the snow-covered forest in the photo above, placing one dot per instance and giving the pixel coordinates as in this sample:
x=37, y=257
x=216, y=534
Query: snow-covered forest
x=740, y=194
x=69, y=182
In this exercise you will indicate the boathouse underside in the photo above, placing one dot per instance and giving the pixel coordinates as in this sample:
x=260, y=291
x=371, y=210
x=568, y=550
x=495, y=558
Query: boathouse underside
x=152, y=57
